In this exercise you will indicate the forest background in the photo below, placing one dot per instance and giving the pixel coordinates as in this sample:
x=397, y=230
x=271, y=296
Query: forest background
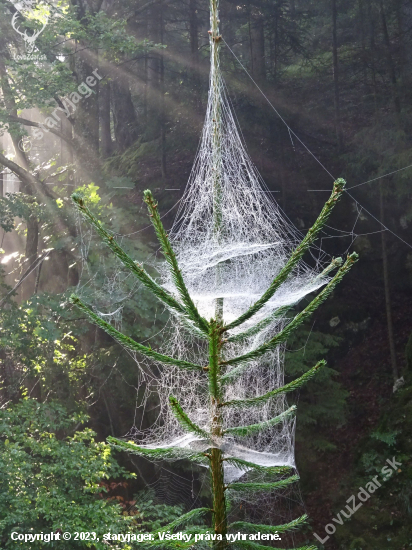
x=340, y=73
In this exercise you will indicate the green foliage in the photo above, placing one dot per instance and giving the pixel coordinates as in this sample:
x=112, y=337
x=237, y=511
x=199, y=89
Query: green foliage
x=173, y=453
x=153, y=517
x=322, y=402
x=170, y=258
x=297, y=254
x=292, y=386
x=36, y=340
x=16, y=205
x=51, y=474
x=214, y=458
x=244, y=431
x=245, y=527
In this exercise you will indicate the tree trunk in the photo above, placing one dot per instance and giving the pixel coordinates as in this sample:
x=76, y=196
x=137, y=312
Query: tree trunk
x=390, y=62
x=106, y=144
x=86, y=124
x=405, y=14
x=194, y=52
x=32, y=237
x=388, y=303
x=32, y=243
x=339, y=135
x=257, y=45
x=363, y=42
x=373, y=54
x=162, y=101
x=216, y=461
x=124, y=114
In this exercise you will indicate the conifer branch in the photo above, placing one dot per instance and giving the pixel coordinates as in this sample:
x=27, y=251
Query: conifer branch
x=244, y=431
x=263, y=486
x=129, y=342
x=245, y=527
x=311, y=236
x=172, y=261
x=193, y=514
x=126, y=260
x=166, y=453
x=250, y=545
x=298, y=320
x=245, y=466
x=173, y=544
x=184, y=420
x=256, y=329
x=252, y=331
x=294, y=385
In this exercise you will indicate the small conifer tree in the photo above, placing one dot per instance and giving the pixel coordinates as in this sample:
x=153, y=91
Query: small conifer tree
x=217, y=375
x=219, y=372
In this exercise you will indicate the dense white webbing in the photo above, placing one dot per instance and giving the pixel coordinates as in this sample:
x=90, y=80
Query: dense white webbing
x=230, y=244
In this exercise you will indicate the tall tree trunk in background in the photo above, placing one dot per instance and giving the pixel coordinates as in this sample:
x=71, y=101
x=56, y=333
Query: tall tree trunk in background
x=339, y=135
x=405, y=16
x=32, y=225
x=257, y=44
x=86, y=124
x=388, y=303
x=155, y=78
x=124, y=113
x=162, y=100
x=32, y=244
x=276, y=44
x=372, y=45
x=106, y=144
x=363, y=42
x=390, y=61
x=194, y=52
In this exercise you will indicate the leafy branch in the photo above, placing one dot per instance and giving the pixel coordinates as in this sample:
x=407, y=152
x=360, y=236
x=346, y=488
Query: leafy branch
x=129, y=342
x=311, y=236
x=298, y=320
x=127, y=261
x=172, y=261
x=292, y=386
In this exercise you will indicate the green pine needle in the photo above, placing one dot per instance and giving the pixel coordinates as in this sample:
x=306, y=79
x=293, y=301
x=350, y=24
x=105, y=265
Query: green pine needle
x=249, y=487
x=292, y=386
x=311, y=236
x=184, y=420
x=127, y=261
x=250, y=545
x=246, y=466
x=167, y=453
x=252, y=331
x=244, y=431
x=298, y=320
x=244, y=526
x=189, y=516
x=129, y=342
x=172, y=261
x=255, y=329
